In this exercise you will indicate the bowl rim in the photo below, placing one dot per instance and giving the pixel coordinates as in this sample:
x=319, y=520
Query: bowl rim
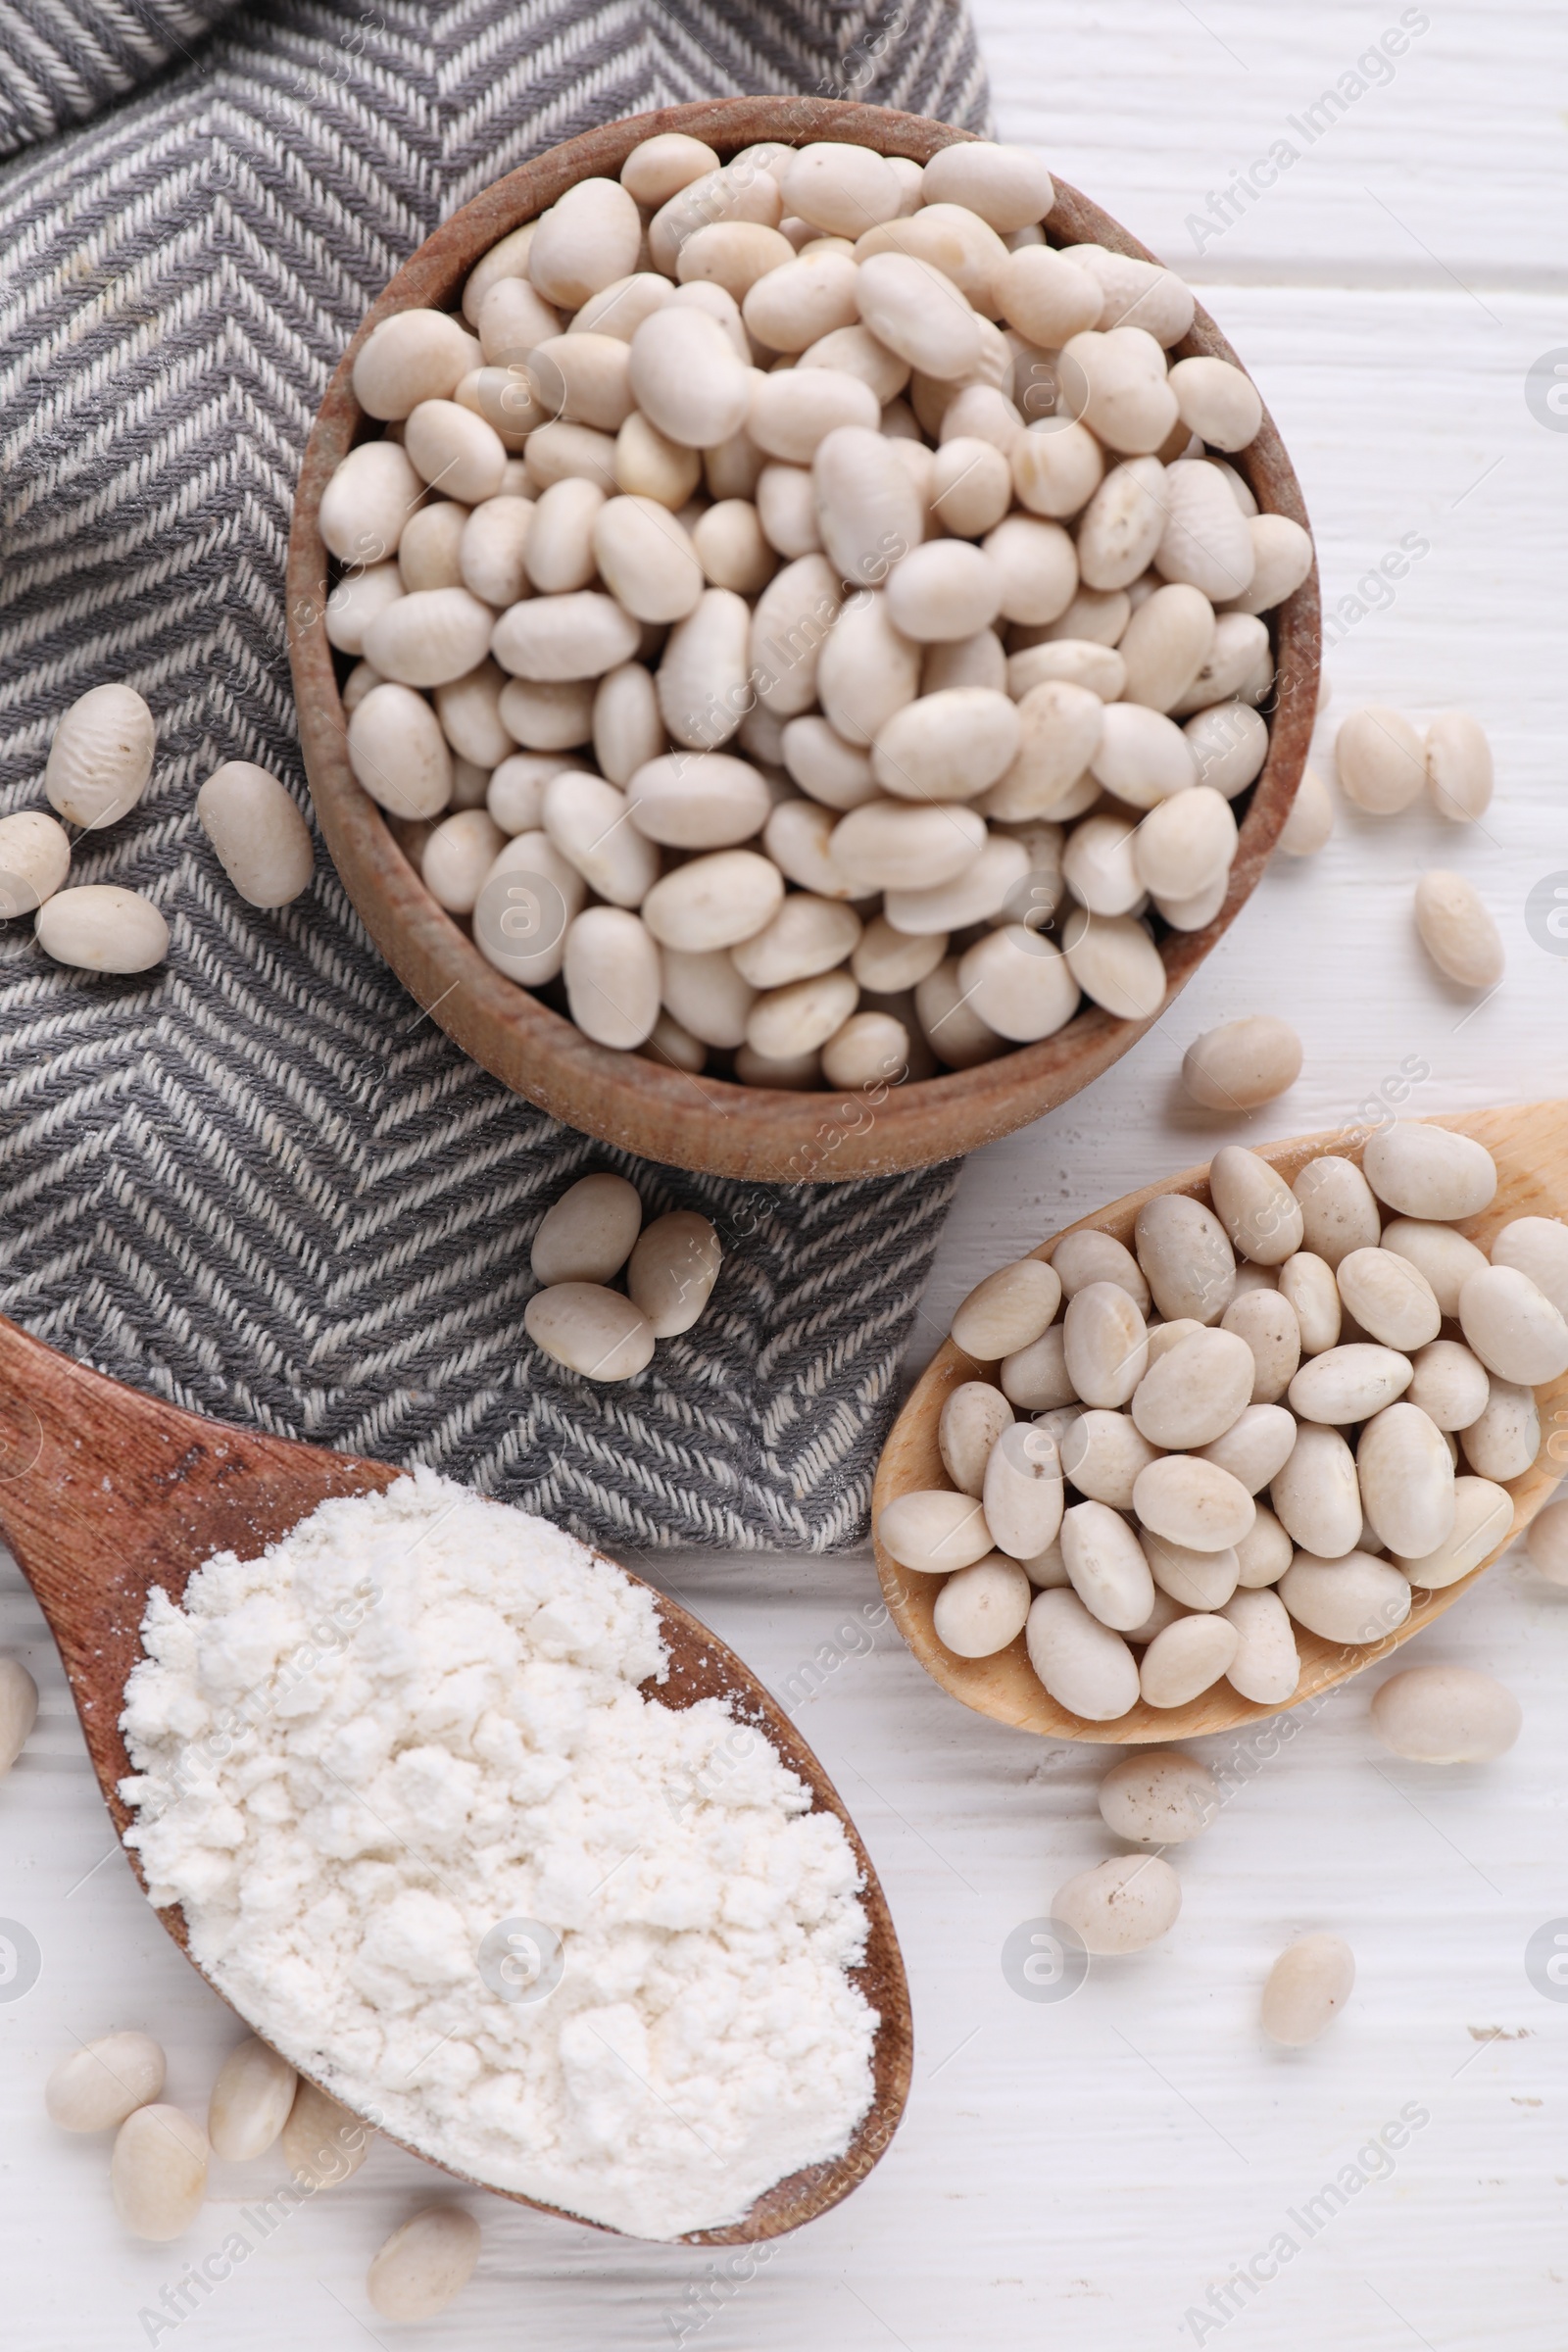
x=701, y=1123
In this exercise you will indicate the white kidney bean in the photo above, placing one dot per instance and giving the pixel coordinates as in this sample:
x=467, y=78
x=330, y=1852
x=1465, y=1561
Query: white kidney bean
x=586, y=818
x=589, y=238
x=557, y=451
x=1193, y=1503
x=707, y=995
x=1311, y=818
x=933, y=1532
x=973, y=1417
x=250, y=2101
x=1229, y=744
x=1457, y=930
x=1022, y=1492
x=887, y=961
x=96, y=2085
x=549, y=715
x=1548, y=1542
x=1116, y=964
x=416, y=355
x=799, y=839
x=792, y=307
x=590, y=1330
x=1035, y=565
x=1035, y=1378
x=1106, y=1344
x=645, y=559
x=1020, y=985
x=1307, y=1986
x=1265, y=1551
x=511, y=318
x=469, y=711
x=1389, y=1297
x=1047, y=296
x=1165, y=1334
x=425, y=2263
x=1087, y=1256
x=367, y=503
x=459, y=856
x=1242, y=1063
x=1122, y=1905
x=1537, y=1246
x=1186, y=843
x=560, y=551
x=1449, y=1383
x=1344, y=1385
x=1429, y=1172
x=1406, y=1477
x=588, y=1234
x=672, y=1271
x=1483, y=1522
x=1187, y=1257
x=978, y=895
x=713, y=902
x=1204, y=540
x=1099, y=864
x=1084, y=1665
x=1159, y=1799
x=1504, y=1440
x=1062, y=728
x=1186, y=1659
x=561, y=639
x=661, y=167
x=1266, y=1323
x=1513, y=1327
x=1352, y=1598
x=785, y=1023
x=918, y=311
x=522, y=928
x=806, y=936
x=1315, y=1495
x=698, y=800
x=1008, y=1310
x=429, y=638
x=1266, y=1665
x=1445, y=1715
x=869, y=511
x=1076, y=661
x=981, y=1609
x=1196, y=1390
x=1195, y=1580
x=1443, y=1258
x=324, y=2143
x=157, y=2172
x=1142, y=755
x=514, y=794
x=971, y=485
x=360, y=596
x=1216, y=402
x=263, y=842
x=786, y=510
x=733, y=549
x=1380, y=762
x=1105, y=1562
x=453, y=449
x=1458, y=765
x=612, y=978
x=947, y=746
x=793, y=413
x=1101, y=1454
x=100, y=756
x=731, y=255
x=1165, y=644
x=867, y=671
x=1119, y=378
x=687, y=377
x=98, y=927
x=1008, y=186
x=1282, y=558
x=1136, y=292
x=943, y=592
x=1048, y=1572
x=1339, y=1214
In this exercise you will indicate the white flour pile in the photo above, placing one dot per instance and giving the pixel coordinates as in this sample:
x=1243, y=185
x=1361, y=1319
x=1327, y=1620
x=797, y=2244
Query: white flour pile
x=418, y=1716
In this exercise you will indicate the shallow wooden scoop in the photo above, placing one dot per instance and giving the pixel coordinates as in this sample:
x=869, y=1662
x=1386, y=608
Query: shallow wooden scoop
x=105, y=1493
x=1530, y=1145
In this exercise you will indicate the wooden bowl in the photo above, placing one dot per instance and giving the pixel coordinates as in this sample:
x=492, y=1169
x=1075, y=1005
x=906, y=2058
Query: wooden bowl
x=661, y=1114
x=1529, y=1146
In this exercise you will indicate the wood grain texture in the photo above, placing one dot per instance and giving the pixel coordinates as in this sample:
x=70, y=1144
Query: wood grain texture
x=1529, y=1146
x=108, y=1494
x=624, y=1099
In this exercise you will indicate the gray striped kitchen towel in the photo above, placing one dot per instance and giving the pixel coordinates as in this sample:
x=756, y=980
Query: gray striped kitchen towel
x=259, y=1181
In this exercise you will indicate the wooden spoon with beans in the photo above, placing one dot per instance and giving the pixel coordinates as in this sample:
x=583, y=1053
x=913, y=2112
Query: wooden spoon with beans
x=105, y=1494
x=1529, y=1144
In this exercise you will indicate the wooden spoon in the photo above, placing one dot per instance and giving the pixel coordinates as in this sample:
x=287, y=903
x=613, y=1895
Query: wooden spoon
x=105, y=1493
x=1530, y=1145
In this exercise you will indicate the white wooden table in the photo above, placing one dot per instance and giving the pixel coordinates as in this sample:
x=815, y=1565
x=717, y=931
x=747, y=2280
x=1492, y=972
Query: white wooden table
x=1087, y=2174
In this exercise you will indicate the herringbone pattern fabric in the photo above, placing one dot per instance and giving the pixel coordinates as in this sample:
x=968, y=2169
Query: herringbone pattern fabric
x=259, y=1181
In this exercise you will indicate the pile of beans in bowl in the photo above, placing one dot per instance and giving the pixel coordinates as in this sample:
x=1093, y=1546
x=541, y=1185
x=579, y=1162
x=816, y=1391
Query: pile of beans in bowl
x=812, y=631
